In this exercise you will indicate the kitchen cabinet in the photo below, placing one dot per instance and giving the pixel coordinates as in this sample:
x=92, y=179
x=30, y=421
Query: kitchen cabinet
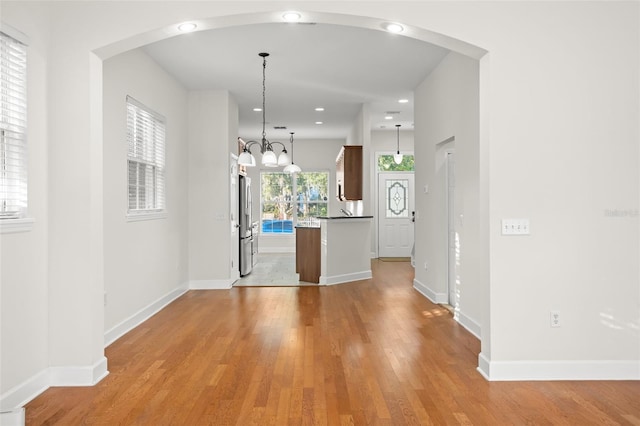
x=349, y=173
x=337, y=251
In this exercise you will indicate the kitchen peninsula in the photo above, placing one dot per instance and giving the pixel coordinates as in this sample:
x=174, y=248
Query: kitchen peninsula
x=339, y=248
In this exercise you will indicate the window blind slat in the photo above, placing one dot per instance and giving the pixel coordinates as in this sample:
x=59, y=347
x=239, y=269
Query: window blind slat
x=13, y=124
x=146, y=140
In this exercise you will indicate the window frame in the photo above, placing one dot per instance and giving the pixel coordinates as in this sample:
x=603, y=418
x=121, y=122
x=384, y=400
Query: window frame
x=14, y=153
x=294, y=199
x=393, y=167
x=22, y=223
x=149, y=157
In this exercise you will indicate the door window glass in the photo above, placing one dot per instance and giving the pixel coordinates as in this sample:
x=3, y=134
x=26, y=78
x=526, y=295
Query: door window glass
x=397, y=198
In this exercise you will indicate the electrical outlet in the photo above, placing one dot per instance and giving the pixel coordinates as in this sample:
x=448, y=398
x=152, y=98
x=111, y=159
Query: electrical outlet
x=426, y=266
x=555, y=318
x=515, y=227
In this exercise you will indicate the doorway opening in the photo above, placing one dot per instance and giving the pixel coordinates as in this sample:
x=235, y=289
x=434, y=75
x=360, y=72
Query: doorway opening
x=395, y=197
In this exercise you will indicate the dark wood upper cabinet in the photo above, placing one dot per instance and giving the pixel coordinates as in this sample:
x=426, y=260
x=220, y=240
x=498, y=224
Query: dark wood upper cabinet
x=349, y=173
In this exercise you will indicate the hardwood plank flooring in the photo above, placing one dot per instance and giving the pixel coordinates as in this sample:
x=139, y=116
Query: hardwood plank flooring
x=372, y=352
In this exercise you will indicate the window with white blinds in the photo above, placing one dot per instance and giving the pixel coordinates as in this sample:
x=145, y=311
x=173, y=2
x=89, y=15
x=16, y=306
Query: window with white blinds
x=146, y=140
x=13, y=127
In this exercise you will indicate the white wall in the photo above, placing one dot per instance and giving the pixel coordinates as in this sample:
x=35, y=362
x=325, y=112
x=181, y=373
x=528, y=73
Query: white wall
x=213, y=118
x=361, y=135
x=385, y=141
x=311, y=155
x=564, y=151
x=24, y=350
x=447, y=109
x=558, y=143
x=144, y=261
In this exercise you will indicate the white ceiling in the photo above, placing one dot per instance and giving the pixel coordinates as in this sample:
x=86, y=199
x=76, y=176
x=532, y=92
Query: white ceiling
x=310, y=65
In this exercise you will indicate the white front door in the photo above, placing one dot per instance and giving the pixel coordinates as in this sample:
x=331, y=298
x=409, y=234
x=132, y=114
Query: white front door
x=395, y=214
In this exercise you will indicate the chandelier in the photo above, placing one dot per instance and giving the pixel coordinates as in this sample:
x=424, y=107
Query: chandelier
x=269, y=158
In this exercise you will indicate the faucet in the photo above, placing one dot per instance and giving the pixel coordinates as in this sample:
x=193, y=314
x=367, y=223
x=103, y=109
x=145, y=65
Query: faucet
x=346, y=212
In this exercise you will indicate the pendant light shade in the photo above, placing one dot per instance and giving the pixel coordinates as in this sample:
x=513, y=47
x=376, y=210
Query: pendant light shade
x=269, y=157
x=292, y=168
x=283, y=158
x=246, y=159
x=397, y=157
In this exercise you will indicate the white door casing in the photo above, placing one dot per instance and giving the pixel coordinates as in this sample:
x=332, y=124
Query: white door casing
x=396, y=205
x=234, y=271
x=452, y=235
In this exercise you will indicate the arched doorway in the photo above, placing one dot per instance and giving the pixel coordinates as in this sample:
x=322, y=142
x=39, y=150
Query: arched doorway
x=328, y=18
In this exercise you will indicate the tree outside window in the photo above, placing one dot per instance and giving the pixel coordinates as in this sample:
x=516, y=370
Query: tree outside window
x=387, y=164
x=285, y=201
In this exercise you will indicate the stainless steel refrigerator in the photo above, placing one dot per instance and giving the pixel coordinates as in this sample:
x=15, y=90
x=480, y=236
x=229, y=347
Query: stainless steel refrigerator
x=245, y=226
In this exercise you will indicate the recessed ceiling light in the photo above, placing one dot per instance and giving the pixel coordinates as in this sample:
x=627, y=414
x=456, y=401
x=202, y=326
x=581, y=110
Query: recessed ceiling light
x=187, y=27
x=393, y=27
x=403, y=101
x=319, y=122
x=319, y=109
x=292, y=16
x=257, y=109
x=388, y=117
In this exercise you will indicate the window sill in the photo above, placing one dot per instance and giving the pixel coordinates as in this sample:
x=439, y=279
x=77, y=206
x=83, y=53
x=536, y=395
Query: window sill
x=276, y=234
x=11, y=226
x=137, y=217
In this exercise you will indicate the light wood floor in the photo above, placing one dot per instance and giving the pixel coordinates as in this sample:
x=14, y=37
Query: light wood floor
x=373, y=352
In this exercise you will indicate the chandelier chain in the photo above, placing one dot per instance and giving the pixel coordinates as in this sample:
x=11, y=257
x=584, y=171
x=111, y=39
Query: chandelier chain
x=264, y=90
x=269, y=158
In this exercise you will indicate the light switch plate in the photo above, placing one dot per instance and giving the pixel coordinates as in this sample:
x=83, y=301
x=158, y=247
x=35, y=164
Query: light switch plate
x=515, y=227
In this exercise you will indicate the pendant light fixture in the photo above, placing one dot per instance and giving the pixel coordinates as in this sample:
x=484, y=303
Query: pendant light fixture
x=397, y=157
x=292, y=168
x=269, y=158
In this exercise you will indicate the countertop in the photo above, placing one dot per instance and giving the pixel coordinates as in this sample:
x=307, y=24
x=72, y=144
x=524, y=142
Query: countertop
x=345, y=217
x=316, y=222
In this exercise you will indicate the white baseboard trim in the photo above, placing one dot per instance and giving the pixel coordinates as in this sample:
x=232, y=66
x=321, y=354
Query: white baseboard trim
x=211, y=284
x=430, y=294
x=141, y=316
x=78, y=376
x=558, y=370
x=438, y=298
x=345, y=278
x=483, y=366
x=468, y=323
x=12, y=418
x=12, y=401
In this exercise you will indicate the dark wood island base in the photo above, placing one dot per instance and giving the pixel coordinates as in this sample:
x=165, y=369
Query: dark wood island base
x=308, y=253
